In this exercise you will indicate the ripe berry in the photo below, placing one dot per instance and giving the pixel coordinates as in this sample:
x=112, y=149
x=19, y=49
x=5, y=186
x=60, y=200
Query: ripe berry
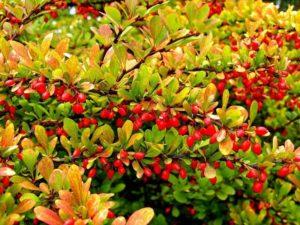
x=139, y=155
x=263, y=176
x=157, y=169
x=283, y=171
x=174, y=122
x=110, y=214
x=195, y=109
x=165, y=175
x=257, y=187
x=46, y=95
x=10, y=83
x=190, y=141
x=123, y=154
x=245, y=145
x=117, y=163
x=147, y=172
x=78, y=108
x=213, y=180
x=161, y=124
x=121, y=170
x=92, y=173
x=66, y=97
x=182, y=173
x=261, y=131
x=81, y=98
x=137, y=109
x=175, y=166
x=20, y=91
x=76, y=153
x=5, y=181
x=229, y=164
x=122, y=111
x=252, y=174
x=110, y=174
x=20, y=156
x=40, y=87
x=183, y=130
x=256, y=149
x=216, y=164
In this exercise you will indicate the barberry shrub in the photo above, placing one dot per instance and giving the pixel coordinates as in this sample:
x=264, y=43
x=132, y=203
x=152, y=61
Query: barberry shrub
x=180, y=111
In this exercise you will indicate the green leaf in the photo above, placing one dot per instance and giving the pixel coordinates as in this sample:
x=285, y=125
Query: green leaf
x=104, y=133
x=253, y=111
x=180, y=196
x=158, y=30
x=30, y=158
x=228, y=190
x=113, y=14
x=71, y=127
x=225, y=99
x=41, y=136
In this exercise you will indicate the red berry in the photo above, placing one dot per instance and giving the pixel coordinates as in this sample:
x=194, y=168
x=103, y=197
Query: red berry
x=110, y=214
x=93, y=121
x=195, y=109
x=257, y=187
x=263, y=176
x=92, y=173
x=99, y=148
x=246, y=145
x=190, y=141
x=147, y=172
x=254, y=45
x=137, y=109
x=139, y=155
x=161, y=124
x=78, y=108
x=183, y=130
x=121, y=170
x=229, y=164
x=213, y=180
x=20, y=156
x=85, y=163
x=182, y=173
x=66, y=97
x=165, y=175
x=252, y=174
x=76, y=153
x=216, y=164
x=40, y=87
x=283, y=171
x=5, y=181
x=256, y=149
x=207, y=121
x=10, y=83
x=123, y=154
x=110, y=174
x=119, y=122
x=122, y=111
x=261, y=131
x=46, y=95
x=35, y=221
x=174, y=122
x=117, y=163
x=20, y=91
x=81, y=98
x=175, y=166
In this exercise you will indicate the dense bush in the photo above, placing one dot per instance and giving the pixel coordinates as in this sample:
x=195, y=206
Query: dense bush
x=190, y=109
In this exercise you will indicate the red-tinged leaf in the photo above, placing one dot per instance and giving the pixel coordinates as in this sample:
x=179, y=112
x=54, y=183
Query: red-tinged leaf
x=24, y=206
x=226, y=146
x=141, y=217
x=100, y=217
x=22, y=51
x=29, y=186
x=119, y=221
x=65, y=207
x=8, y=136
x=6, y=171
x=76, y=184
x=47, y=216
x=62, y=46
x=45, y=167
x=209, y=172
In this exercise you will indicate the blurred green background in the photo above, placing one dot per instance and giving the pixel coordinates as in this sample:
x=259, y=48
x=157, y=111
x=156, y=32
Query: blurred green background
x=283, y=4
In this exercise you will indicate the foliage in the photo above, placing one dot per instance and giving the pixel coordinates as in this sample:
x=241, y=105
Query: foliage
x=180, y=106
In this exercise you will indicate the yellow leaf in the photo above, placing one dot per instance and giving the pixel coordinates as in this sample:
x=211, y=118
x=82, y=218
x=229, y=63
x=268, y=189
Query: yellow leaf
x=45, y=167
x=46, y=43
x=8, y=136
x=62, y=46
x=22, y=51
x=134, y=138
x=141, y=217
x=72, y=66
x=226, y=146
x=127, y=128
x=24, y=206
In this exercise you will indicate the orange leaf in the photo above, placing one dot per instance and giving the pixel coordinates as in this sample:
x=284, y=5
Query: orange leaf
x=24, y=206
x=119, y=221
x=141, y=217
x=47, y=216
x=22, y=51
x=62, y=47
x=76, y=184
x=65, y=207
x=8, y=136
